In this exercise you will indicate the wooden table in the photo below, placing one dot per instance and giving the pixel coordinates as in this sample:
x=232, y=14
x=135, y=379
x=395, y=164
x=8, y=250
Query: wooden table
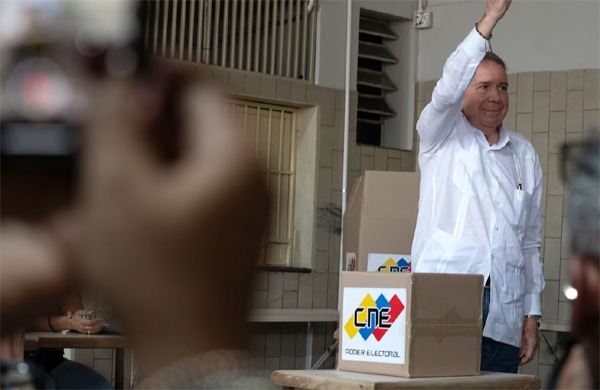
x=334, y=379
x=35, y=340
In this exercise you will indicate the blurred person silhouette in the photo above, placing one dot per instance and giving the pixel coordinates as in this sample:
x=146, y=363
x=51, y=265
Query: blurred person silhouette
x=168, y=233
x=579, y=368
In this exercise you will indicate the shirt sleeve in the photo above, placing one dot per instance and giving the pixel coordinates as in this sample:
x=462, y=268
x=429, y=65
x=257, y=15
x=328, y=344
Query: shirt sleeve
x=532, y=241
x=438, y=117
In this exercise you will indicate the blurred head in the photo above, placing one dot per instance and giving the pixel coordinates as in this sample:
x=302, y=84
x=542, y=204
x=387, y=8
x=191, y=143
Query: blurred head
x=581, y=163
x=581, y=170
x=485, y=103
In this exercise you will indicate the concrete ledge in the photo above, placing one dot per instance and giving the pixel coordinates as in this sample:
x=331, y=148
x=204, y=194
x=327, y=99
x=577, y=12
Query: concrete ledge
x=293, y=315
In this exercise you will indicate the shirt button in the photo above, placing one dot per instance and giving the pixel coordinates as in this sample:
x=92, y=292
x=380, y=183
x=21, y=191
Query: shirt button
x=497, y=228
x=497, y=201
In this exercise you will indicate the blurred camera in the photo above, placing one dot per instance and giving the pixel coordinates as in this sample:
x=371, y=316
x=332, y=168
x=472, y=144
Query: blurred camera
x=38, y=113
x=48, y=49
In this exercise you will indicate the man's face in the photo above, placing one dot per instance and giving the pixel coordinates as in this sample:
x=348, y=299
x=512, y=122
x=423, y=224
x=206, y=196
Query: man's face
x=486, y=100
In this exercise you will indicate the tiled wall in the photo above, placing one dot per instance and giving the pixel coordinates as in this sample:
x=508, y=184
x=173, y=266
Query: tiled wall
x=552, y=108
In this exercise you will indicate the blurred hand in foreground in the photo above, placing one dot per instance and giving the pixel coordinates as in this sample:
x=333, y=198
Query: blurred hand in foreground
x=172, y=243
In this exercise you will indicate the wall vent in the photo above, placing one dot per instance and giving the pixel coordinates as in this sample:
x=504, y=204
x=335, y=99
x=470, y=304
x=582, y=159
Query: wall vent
x=372, y=81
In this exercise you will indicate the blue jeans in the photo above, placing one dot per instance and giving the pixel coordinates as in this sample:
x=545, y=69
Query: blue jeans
x=496, y=356
x=61, y=373
x=74, y=375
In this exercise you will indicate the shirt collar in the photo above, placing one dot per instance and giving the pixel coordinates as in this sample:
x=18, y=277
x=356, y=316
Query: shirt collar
x=503, y=136
x=503, y=139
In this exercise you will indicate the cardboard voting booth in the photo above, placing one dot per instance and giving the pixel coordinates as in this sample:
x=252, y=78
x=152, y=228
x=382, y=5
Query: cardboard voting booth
x=379, y=222
x=410, y=324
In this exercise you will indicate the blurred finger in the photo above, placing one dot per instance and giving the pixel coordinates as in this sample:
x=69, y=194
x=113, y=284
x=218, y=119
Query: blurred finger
x=208, y=127
x=90, y=322
x=30, y=257
x=114, y=134
x=525, y=359
x=214, y=152
x=64, y=225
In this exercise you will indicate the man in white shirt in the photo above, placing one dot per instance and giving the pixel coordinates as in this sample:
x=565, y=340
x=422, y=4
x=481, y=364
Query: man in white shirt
x=481, y=186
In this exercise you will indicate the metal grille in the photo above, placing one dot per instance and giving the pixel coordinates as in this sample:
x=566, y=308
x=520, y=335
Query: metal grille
x=275, y=37
x=270, y=131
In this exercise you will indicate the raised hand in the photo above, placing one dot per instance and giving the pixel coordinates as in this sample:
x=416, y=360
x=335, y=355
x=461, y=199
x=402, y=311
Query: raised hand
x=497, y=8
x=494, y=11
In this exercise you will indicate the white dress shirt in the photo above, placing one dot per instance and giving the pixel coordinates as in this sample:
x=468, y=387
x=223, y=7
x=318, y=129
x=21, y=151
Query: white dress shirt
x=479, y=208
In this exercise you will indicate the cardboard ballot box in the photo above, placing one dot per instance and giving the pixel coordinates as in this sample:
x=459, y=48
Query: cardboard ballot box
x=380, y=220
x=410, y=324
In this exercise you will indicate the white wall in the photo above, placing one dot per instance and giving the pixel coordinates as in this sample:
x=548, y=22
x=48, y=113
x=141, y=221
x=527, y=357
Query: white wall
x=331, y=45
x=534, y=35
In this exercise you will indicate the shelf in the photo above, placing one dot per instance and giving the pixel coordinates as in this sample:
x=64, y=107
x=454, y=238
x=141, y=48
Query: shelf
x=374, y=105
x=376, y=52
x=375, y=79
x=373, y=27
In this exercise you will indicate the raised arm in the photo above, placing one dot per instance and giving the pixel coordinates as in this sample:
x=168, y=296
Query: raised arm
x=437, y=119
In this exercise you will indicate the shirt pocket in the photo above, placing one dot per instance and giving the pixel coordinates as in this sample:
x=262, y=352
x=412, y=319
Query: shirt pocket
x=444, y=253
x=521, y=206
x=468, y=175
x=511, y=273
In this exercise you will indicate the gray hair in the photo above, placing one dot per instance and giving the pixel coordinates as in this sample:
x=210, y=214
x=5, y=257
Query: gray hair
x=583, y=183
x=491, y=56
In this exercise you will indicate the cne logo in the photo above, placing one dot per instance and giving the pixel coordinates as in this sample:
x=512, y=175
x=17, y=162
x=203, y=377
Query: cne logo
x=392, y=266
x=374, y=317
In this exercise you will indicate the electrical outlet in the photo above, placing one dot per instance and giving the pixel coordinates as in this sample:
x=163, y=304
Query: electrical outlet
x=422, y=19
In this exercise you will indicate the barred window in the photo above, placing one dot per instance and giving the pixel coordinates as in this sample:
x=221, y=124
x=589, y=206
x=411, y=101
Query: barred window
x=270, y=131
